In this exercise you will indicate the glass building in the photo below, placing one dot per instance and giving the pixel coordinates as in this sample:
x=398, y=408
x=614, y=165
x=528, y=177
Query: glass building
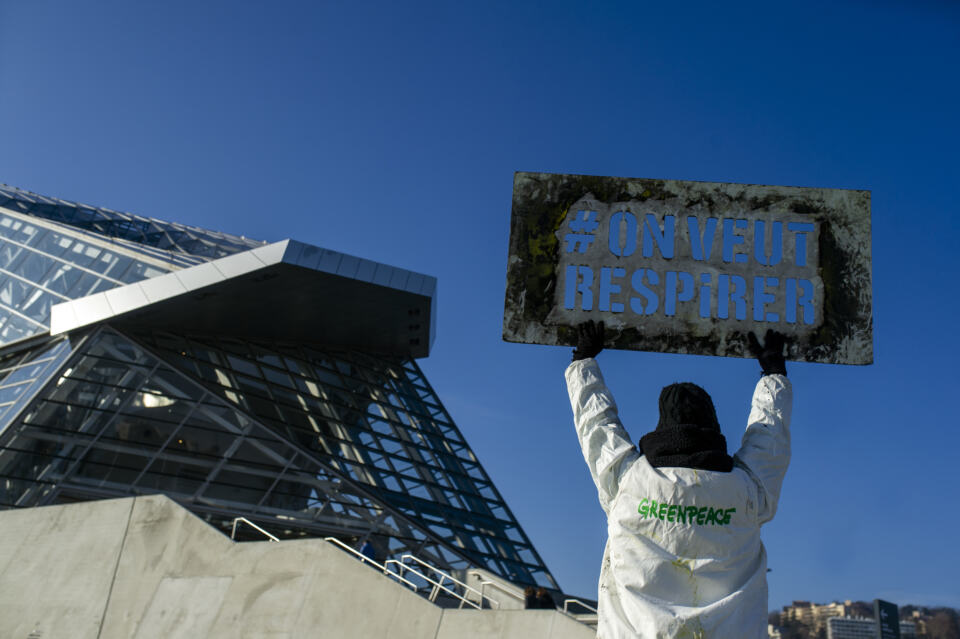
x=861, y=628
x=277, y=382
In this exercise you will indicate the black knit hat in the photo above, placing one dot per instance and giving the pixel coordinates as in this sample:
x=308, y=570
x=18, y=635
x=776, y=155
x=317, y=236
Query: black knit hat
x=686, y=403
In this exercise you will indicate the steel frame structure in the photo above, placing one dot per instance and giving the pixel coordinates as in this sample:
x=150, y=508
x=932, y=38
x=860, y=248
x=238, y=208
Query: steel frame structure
x=305, y=440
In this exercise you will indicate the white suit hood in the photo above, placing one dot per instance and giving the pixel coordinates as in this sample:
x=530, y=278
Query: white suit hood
x=683, y=557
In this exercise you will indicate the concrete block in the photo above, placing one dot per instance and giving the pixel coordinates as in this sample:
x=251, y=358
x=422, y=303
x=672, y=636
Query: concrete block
x=56, y=567
x=347, y=599
x=183, y=608
x=172, y=575
x=511, y=624
x=527, y=624
x=477, y=624
x=163, y=539
x=259, y=605
x=565, y=627
x=414, y=617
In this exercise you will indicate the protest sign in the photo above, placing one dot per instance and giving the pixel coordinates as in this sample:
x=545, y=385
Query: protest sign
x=690, y=267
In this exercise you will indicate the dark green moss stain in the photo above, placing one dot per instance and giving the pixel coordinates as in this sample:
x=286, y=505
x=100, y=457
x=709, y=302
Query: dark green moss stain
x=804, y=208
x=568, y=335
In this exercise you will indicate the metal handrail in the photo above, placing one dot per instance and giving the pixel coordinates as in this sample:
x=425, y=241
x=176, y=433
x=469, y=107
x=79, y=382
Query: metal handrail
x=579, y=603
x=363, y=558
x=444, y=575
x=485, y=582
x=233, y=533
x=437, y=585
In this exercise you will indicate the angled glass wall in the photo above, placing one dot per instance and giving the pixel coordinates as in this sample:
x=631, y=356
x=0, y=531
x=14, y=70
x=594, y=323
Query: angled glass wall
x=380, y=425
x=368, y=452
x=145, y=232
x=302, y=440
x=42, y=264
x=23, y=371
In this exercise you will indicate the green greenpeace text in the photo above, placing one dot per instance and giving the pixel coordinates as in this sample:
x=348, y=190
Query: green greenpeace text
x=690, y=515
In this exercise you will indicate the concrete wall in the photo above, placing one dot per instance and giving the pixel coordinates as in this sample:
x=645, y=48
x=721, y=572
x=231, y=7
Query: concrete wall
x=57, y=566
x=146, y=568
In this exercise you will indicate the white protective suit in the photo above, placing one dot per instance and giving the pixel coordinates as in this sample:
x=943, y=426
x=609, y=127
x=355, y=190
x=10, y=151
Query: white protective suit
x=683, y=556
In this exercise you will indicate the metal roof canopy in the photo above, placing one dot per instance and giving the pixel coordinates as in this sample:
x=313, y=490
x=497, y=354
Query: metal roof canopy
x=282, y=291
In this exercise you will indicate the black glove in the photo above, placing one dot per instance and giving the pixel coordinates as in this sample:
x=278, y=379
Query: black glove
x=589, y=340
x=770, y=354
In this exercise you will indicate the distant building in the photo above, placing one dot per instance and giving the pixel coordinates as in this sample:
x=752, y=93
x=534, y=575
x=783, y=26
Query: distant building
x=773, y=631
x=919, y=619
x=863, y=628
x=851, y=628
x=812, y=615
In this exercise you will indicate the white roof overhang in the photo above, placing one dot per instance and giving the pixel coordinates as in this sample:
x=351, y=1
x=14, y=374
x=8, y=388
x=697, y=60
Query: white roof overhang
x=285, y=291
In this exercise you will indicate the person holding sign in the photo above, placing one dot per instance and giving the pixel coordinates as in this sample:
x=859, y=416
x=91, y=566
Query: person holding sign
x=683, y=555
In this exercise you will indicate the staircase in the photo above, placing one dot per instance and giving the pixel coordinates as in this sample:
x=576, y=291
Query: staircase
x=145, y=567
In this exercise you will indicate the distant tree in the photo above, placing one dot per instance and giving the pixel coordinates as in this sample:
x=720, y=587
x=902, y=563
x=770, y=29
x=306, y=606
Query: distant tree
x=796, y=630
x=943, y=624
x=773, y=618
x=861, y=609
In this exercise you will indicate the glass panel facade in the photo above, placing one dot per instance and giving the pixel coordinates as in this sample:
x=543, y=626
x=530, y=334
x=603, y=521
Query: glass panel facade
x=159, y=238
x=119, y=420
x=303, y=441
x=379, y=424
x=24, y=371
x=41, y=265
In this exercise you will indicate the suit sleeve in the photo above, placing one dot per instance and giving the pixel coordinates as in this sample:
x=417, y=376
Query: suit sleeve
x=606, y=446
x=765, y=450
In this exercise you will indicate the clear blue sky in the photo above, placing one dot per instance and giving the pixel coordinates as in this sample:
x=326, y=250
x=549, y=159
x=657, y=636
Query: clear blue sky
x=392, y=130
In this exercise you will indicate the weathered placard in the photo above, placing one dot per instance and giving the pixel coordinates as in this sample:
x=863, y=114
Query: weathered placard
x=690, y=267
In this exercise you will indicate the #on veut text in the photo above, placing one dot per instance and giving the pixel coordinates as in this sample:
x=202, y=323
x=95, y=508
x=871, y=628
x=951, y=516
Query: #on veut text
x=712, y=267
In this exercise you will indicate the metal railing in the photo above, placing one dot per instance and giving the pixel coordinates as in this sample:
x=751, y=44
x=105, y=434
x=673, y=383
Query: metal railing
x=438, y=586
x=398, y=570
x=233, y=533
x=484, y=582
x=567, y=602
x=364, y=559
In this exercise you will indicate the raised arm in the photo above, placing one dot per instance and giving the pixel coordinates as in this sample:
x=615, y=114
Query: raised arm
x=765, y=450
x=606, y=446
